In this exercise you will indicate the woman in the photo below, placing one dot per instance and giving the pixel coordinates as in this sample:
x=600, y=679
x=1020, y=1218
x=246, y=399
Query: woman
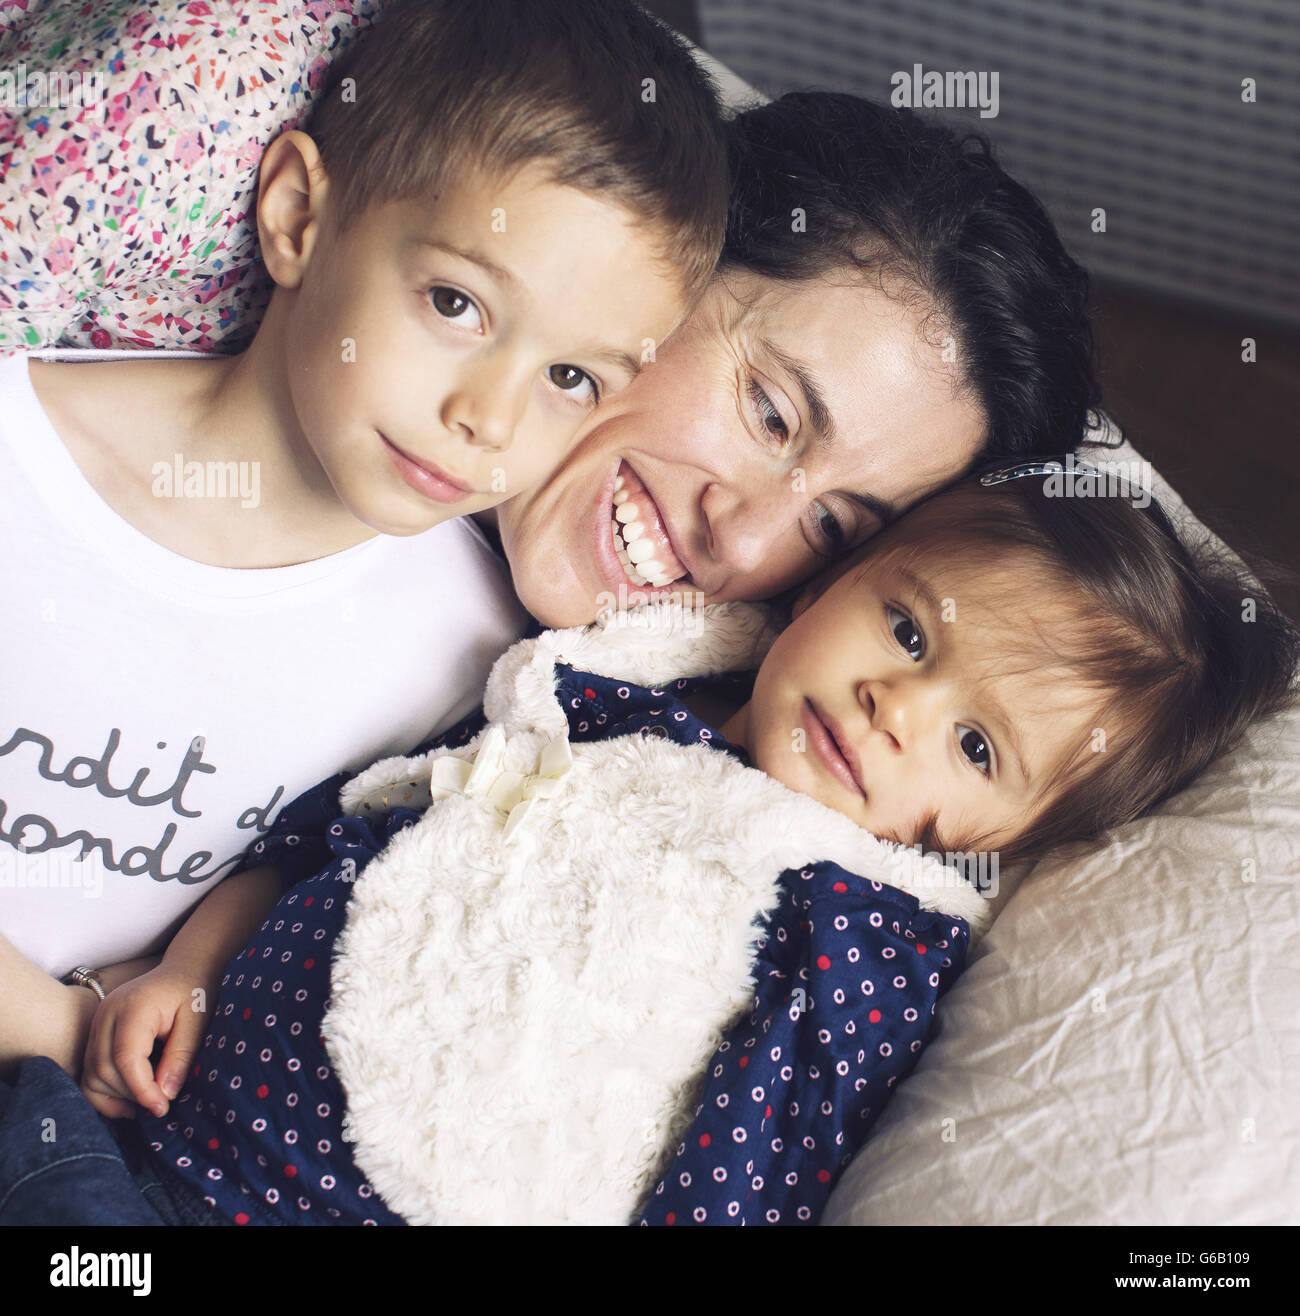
x=890, y=306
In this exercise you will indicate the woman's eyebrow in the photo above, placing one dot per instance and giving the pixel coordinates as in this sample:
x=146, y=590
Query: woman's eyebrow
x=885, y=513
x=819, y=413
x=824, y=426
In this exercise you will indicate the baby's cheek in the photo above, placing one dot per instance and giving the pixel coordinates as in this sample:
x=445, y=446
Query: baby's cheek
x=784, y=755
x=901, y=806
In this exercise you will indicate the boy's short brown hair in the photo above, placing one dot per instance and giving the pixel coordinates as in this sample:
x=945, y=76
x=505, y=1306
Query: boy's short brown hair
x=604, y=95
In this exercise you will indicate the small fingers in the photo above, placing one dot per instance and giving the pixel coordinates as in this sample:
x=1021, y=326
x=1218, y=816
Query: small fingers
x=132, y=1046
x=113, y=1108
x=100, y=1081
x=182, y=1046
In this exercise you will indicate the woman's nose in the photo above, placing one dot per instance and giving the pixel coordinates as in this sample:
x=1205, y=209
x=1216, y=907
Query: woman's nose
x=742, y=524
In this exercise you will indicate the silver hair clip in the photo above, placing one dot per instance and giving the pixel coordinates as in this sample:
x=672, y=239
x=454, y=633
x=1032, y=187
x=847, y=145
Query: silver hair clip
x=1049, y=466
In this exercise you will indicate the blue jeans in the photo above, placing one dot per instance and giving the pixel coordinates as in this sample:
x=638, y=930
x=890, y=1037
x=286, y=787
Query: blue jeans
x=62, y=1163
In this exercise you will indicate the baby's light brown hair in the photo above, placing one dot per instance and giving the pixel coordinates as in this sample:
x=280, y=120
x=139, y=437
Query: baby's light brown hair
x=1184, y=649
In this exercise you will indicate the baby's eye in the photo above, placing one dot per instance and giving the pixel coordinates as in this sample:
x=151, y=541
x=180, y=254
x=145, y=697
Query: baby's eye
x=974, y=746
x=907, y=633
x=453, y=305
x=574, y=381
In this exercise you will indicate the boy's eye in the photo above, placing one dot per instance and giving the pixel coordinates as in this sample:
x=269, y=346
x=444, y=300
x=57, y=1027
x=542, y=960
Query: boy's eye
x=907, y=633
x=975, y=748
x=452, y=304
x=769, y=418
x=575, y=381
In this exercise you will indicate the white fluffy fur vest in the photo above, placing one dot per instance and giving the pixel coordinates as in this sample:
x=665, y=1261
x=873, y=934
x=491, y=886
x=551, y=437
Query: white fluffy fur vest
x=521, y=1022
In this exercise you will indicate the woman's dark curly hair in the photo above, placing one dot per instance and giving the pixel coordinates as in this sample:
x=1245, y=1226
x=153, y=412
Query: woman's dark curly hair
x=899, y=195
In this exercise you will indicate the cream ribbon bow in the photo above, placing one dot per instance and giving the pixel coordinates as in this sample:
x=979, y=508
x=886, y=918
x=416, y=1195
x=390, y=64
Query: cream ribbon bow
x=510, y=793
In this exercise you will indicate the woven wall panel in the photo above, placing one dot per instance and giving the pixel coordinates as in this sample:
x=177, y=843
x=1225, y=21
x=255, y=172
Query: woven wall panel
x=1135, y=107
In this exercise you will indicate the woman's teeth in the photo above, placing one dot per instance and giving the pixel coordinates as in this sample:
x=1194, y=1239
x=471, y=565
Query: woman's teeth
x=635, y=551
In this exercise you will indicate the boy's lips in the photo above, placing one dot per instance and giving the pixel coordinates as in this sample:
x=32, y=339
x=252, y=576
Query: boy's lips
x=833, y=748
x=634, y=546
x=425, y=477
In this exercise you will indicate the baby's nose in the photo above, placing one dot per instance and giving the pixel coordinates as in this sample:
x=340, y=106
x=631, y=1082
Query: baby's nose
x=880, y=707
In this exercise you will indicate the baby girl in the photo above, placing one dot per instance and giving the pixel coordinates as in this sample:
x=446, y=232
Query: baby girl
x=656, y=943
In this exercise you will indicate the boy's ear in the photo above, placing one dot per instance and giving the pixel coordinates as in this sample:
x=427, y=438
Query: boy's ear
x=291, y=193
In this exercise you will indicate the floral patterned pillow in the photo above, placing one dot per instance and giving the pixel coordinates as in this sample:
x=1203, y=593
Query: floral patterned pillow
x=127, y=218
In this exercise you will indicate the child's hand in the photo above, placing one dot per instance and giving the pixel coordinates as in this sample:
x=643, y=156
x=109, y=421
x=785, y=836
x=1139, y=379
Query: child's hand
x=118, y=1072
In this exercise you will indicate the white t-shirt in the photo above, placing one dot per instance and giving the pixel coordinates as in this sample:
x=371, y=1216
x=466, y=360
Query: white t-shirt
x=156, y=713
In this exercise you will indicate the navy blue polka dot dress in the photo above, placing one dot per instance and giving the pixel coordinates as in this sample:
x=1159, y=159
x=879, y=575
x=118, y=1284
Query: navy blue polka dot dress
x=847, y=977
x=846, y=981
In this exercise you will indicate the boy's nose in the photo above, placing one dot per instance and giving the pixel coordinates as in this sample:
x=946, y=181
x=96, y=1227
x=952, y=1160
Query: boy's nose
x=485, y=410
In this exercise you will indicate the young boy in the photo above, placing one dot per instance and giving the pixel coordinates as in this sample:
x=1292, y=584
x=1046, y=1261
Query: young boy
x=499, y=209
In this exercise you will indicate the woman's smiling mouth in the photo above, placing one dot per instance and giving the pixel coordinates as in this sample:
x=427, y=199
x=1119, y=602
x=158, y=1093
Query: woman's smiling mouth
x=638, y=538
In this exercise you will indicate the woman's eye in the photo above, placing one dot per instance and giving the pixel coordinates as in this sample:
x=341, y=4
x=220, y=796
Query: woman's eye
x=768, y=416
x=574, y=381
x=907, y=633
x=975, y=748
x=829, y=527
x=453, y=305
